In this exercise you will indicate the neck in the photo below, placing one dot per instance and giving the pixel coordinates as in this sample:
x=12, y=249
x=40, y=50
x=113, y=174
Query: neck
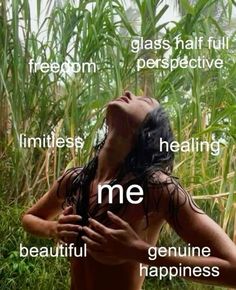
x=112, y=155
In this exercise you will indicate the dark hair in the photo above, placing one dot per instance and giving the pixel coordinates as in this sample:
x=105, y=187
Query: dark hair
x=143, y=161
x=146, y=155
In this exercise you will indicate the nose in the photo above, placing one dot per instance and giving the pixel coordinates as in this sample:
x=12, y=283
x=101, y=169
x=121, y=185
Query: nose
x=129, y=95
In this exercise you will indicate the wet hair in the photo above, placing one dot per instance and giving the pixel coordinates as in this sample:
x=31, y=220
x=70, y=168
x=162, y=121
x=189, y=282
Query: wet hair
x=142, y=163
x=146, y=155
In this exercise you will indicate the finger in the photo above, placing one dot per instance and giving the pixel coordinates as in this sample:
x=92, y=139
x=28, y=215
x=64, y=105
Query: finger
x=68, y=234
x=98, y=227
x=68, y=219
x=94, y=235
x=69, y=227
x=117, y=220
x=92, y=246
x=68, y=210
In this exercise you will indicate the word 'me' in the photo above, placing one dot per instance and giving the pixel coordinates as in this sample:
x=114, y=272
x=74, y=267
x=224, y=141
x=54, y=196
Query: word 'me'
x=134, y=193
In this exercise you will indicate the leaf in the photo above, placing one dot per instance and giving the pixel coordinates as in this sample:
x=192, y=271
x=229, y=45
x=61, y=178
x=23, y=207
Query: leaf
x=187, y=6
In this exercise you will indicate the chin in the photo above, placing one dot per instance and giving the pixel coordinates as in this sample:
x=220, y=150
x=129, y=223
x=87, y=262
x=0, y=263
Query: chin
x=117, y=114
x=116, y=103
x=117, y=107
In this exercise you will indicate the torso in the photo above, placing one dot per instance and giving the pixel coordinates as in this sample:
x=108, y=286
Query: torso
x=89, y=274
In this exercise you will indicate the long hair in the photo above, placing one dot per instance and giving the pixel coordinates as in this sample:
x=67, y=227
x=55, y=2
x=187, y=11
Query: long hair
x=145, y=158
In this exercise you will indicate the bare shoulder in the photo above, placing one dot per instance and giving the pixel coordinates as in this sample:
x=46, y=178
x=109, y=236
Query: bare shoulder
x=65, y=182
x=160, y=177
x=160, y=183
x=51, y=203
x=169, y=196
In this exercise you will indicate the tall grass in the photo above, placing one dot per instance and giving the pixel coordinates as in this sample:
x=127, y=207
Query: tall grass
x=201, y=103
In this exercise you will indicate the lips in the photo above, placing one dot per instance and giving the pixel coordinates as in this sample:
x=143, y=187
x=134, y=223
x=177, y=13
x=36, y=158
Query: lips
x=123, y=99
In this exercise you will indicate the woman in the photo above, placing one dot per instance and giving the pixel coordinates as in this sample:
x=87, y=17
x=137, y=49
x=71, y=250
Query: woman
x=130, y=154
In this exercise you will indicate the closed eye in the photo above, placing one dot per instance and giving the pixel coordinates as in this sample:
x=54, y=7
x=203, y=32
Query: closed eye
x=147, y=100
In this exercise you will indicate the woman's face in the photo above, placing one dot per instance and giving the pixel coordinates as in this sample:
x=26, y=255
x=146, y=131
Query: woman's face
x=128, y=112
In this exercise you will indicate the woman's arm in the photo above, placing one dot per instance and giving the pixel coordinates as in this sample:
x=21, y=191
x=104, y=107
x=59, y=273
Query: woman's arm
x=193, y=227
x=38, y=220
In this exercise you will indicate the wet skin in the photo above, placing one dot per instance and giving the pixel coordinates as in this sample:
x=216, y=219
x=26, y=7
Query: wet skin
x=105, y=272
x=124, y=116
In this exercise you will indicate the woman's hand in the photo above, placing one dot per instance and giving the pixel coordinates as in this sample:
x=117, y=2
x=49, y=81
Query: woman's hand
x=67, y=229
x=121, y=242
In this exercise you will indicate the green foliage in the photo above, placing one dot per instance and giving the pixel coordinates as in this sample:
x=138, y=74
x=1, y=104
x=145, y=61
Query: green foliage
x=30, y=272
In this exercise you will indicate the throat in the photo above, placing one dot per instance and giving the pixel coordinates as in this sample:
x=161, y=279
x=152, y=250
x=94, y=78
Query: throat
x=112, y=156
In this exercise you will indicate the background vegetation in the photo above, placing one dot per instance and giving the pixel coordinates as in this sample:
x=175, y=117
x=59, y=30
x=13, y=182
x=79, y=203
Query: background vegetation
x=201, y=103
